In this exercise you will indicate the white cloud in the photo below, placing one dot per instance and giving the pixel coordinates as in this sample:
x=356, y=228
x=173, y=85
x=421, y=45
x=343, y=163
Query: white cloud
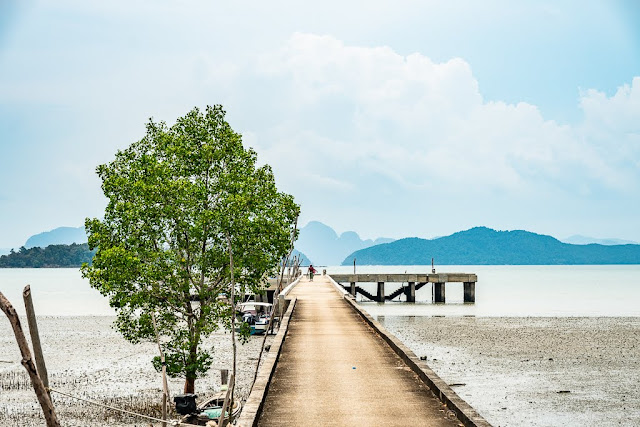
x=422, y=123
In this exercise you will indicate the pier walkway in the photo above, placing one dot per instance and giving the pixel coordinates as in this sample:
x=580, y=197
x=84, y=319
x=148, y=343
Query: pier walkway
x=335, y=370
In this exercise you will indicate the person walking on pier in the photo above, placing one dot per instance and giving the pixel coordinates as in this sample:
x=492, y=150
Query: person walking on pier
x=312, y=271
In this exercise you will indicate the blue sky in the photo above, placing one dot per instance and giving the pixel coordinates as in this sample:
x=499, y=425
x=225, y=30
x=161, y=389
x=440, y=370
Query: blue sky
x=403, y=118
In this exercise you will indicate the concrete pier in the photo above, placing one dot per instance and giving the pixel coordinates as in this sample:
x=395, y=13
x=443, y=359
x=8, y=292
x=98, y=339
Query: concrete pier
x=334, y=370
x=414, y=283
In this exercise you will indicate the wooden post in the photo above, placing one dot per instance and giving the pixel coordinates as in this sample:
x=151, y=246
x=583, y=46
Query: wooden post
x=470, y=292
x=353, y=288
x=38, y=386
x=165, y=387
x=438, y=292
x=380, y=291
x=281, y=304
x=410, y=292
x=226, y=402
x=35, y=336
x=224, y=376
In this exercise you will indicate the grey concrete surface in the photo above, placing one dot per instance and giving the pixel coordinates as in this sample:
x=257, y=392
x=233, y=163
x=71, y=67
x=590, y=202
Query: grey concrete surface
x=335, y=371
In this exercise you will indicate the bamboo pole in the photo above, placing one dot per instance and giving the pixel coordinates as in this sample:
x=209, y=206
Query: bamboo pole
x=165, y=387
x=38, y=386
x=226, y=403
x=233, y=325
x=35, y=336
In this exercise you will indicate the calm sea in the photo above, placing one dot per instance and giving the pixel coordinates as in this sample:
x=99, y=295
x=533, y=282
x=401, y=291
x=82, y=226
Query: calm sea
x=501, y=291
x=505, y=291
x=55, y=292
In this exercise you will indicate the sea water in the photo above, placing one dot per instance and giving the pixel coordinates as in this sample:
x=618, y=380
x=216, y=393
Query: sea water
x=55, y=292
x=501, y=291
x=517, y=291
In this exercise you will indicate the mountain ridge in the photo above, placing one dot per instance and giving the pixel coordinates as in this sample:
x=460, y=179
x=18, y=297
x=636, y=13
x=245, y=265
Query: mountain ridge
x=485, y=246
x=323, y=246
x=57, y=236
x=578, y=239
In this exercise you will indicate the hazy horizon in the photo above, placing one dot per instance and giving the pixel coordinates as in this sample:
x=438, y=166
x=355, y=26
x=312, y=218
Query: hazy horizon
x=373, y=238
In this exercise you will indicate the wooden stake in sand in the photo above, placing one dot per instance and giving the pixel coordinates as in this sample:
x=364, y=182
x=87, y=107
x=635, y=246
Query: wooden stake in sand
x=35, y=336
x=27, y=362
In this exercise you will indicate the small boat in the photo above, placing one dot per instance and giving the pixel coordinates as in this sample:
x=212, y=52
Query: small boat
x=211, y=409
x=256, y=315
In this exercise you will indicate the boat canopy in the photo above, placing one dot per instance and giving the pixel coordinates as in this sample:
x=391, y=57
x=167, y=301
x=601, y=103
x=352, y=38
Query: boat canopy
x=255, y=304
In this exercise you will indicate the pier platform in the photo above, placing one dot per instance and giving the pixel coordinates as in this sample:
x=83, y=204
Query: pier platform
x=413, y=283
x=333, y=369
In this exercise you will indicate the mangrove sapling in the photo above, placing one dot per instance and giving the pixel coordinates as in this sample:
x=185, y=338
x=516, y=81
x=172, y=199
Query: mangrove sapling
x=173, y=198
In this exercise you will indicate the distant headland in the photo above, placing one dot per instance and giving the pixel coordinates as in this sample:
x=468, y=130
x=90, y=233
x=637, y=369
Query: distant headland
x=485, y=246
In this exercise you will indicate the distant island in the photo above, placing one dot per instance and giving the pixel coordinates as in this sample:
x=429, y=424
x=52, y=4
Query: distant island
x=57, y=236
x=484, y=246
x=53, y=256
x=324, y=246
x=304, y=261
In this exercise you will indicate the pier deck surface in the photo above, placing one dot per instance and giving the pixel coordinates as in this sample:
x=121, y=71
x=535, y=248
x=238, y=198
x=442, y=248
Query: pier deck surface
x=335, y=370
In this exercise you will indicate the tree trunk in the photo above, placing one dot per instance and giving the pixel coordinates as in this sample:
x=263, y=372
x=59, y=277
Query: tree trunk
x=190, y=385
x=191, y=369
x=27, y=362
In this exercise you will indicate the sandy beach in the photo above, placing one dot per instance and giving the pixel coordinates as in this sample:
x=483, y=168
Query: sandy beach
x=87, y=358
x=534, y=371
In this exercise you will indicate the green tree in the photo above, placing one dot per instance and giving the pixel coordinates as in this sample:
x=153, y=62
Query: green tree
x=178, y=201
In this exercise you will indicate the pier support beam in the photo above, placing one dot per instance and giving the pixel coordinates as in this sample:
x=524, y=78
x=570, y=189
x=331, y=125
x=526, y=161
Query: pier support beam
x=353, y=289
x=410, y=292
x=470, y=292
x=380, y=291
x=438, y=293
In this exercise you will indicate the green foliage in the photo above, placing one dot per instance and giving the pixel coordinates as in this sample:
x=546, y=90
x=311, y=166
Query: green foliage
x=174, y=197
x=244, y=330
x=53, y=256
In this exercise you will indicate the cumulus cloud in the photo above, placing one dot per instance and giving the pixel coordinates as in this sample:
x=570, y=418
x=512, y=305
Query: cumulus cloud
x=422, y=123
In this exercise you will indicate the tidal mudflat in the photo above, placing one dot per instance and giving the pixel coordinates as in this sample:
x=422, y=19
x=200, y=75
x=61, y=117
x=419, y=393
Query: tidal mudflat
x=87, y=358
x=527, y=371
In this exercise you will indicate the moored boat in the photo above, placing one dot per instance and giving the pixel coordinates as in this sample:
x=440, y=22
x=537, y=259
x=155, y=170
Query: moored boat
x=211, y=409
x=256, y=315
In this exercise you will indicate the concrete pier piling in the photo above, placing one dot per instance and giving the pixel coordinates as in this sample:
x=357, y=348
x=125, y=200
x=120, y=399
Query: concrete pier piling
x=438, y=292
x=469, y=292
x=410, y=292
x=380, y=292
